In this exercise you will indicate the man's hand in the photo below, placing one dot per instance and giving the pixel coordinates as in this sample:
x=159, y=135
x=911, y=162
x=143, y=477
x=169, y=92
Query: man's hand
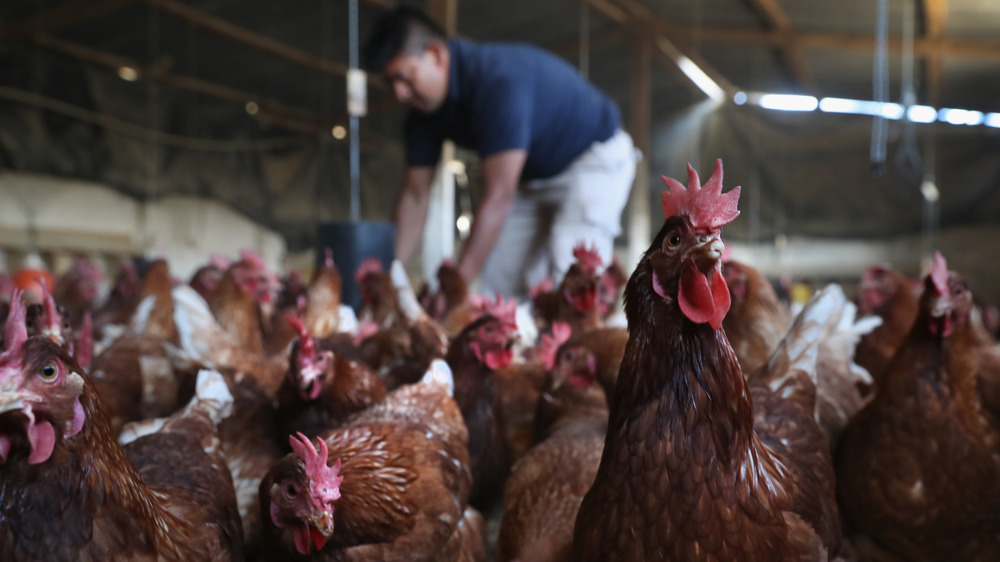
x=501, y=174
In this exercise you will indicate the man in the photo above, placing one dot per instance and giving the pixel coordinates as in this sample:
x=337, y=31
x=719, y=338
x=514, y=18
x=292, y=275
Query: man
x=557, y=167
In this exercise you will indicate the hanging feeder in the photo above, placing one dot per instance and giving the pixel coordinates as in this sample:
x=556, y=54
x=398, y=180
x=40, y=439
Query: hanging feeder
x=356, y=240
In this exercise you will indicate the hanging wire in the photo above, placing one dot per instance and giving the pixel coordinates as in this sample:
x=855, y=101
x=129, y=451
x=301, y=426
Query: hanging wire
x=908, y=155
x=584, y=39
x=880, y=87
x=354, y=119
x=147, y=134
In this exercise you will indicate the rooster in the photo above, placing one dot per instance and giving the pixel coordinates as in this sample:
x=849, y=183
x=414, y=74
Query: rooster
x=892, y=296
x=583, y=297
x=323, y=387
x=757, y=319
x=918, y=471
x=699, y=464
x=79, y=289
x=323, y=300
x=483, y=347
x=542, y=497
x=69, y=491
x=406, y=339
x=391, y=484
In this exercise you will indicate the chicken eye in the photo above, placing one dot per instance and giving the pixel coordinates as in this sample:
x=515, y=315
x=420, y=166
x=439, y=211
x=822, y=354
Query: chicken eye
x=291, y=491
x=489, y=329
x=673, y=240
x=49, y=372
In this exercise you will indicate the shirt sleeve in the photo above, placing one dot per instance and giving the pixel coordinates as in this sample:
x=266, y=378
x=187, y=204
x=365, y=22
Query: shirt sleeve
x=504, y=112
x=423, y=140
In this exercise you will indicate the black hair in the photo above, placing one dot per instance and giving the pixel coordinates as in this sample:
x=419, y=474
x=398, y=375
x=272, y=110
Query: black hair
x=400, y=30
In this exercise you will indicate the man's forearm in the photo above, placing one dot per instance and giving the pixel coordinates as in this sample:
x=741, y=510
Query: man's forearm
x=490, y=216
x=411, y=212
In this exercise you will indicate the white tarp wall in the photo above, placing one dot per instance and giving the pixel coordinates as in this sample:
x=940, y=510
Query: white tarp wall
x=76, y=217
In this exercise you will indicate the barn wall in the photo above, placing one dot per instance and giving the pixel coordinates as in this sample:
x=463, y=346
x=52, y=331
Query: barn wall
x=75, y=217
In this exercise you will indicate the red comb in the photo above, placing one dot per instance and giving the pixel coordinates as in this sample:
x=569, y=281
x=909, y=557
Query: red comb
x=253, y=259
x=543, y=286
x=51, y=320
x=588, y=258
x=328, y=261
x=551, y=344
x=370, y=265
x=505, y=312
x=325, y=479
x=707, y=207
x=939, y=274
x=220, y=261
x=16, y=334
x=366, y=329
x=307, y=349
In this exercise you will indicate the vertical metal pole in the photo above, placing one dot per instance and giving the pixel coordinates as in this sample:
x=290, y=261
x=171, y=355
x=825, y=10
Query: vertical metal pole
x=354, y=119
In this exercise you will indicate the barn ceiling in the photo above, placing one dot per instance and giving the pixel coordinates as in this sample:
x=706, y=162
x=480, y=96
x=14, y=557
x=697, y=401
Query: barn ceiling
x=236, y=99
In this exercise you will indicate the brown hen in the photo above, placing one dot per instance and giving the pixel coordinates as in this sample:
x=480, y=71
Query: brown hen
x=698, y=464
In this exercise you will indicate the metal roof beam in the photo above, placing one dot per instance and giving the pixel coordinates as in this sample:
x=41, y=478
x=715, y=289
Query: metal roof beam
x=774, y=18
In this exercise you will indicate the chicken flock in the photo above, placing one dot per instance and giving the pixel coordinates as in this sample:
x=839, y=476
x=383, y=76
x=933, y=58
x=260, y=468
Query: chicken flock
x=243, y=416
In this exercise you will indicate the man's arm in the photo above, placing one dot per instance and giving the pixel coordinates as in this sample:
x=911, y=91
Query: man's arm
x=501, y=173
x=411, y=210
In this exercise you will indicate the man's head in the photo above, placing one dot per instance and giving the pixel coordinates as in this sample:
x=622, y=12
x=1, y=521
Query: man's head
x=410, y=52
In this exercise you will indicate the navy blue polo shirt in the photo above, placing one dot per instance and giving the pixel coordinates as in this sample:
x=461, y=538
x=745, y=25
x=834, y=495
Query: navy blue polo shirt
x=504, y=96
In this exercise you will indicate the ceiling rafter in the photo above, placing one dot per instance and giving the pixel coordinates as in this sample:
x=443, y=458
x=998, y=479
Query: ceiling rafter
x=270, y=112
x=935, y=18
x=774, y=18
x=976, y=49
x=63, y=16
x=596, y=41
x=651, y=27
x=253, y=39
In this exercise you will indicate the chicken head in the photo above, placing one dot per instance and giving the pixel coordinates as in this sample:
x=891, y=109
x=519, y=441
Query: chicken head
x=40, y=389
x=303, y=493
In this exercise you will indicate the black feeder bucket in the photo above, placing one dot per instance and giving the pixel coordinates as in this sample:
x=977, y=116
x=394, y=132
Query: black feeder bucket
x=352, y=243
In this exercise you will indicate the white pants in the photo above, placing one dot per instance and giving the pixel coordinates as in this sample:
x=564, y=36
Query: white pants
x=549, y=217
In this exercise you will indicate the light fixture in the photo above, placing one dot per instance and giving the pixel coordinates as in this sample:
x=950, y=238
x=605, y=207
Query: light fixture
x=740, y=97
x=992, y=120
x=788, y=102
x=338, y=132
x=960, y=116
x=921, y=114
x=128, y=74
x=700, y=79
x=861, y=107
x=252, y=108
x=930, y=191
x=463, y=223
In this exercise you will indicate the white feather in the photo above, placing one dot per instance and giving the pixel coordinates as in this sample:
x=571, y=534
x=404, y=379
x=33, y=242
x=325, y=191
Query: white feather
x=527, y=329
x=348, y=321
x=196, y=326
x=440, y=372
x=141, y=317
x=408, y=302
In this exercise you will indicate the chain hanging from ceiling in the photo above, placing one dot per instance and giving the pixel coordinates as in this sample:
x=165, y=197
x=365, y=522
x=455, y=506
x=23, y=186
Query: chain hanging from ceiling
x=880, y=89
x=908, y=155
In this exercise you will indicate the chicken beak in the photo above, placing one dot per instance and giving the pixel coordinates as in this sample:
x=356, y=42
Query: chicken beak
x=940, y=307
x=11, y=398
x=324, y=523
x=708, y=252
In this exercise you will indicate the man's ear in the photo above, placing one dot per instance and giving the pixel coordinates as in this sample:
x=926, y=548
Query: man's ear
x=438, y=52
